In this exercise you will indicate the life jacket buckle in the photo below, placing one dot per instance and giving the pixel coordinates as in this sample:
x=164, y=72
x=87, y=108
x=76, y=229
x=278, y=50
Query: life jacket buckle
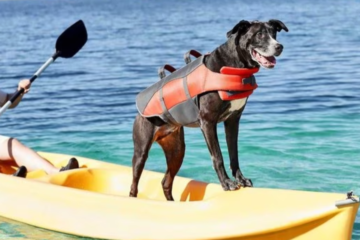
x=249, y=80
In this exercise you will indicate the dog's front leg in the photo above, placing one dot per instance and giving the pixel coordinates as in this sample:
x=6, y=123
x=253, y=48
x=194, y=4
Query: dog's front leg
x=231, y=132
x=210, y=134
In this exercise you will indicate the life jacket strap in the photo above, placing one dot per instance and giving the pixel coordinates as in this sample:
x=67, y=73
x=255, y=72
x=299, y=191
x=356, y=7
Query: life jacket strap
x=193, y=53
x=168, y=67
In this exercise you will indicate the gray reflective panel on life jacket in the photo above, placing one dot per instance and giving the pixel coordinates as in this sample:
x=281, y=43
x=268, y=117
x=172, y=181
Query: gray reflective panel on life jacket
x=186, y=113
x=183, y=115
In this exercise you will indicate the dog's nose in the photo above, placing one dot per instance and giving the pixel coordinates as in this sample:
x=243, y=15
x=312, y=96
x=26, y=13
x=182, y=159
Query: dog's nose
x=279, y=47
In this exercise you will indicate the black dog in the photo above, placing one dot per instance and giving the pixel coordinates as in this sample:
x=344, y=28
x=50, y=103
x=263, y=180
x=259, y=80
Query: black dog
x=249, y=45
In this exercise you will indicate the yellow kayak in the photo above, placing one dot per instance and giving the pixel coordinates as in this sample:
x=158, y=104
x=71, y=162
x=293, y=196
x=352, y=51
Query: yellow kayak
x=93, y=202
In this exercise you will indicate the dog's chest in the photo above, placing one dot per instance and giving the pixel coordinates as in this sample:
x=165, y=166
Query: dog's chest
x=237, y=104
x=232, y=107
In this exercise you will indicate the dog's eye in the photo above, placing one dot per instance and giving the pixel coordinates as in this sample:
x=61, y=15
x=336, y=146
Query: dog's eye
x=260, y=35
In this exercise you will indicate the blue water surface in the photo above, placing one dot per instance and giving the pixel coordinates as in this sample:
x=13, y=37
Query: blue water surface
x=299, y=129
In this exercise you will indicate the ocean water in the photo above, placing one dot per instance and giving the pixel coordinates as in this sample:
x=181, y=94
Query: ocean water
x=300, y=129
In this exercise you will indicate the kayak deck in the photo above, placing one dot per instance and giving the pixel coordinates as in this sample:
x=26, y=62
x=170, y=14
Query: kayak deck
x=102, y=208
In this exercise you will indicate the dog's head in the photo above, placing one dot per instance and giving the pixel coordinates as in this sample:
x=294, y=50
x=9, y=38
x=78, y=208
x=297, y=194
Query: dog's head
x=258, y=39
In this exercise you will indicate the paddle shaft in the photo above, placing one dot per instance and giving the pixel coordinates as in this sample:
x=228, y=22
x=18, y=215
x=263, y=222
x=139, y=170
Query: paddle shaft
x=21, y=91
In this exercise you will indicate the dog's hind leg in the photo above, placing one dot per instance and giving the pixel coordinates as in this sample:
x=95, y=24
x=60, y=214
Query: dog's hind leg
x=231, y=132
x=174, y=149
x=143, y=134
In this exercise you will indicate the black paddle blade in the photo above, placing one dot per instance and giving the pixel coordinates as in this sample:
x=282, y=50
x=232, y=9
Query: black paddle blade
x=71, y=40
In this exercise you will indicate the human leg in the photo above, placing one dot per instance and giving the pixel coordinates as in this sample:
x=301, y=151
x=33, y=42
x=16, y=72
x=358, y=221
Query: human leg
x=12, y=149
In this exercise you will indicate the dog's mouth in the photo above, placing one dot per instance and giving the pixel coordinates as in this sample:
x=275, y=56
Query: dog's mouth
x=265, y=61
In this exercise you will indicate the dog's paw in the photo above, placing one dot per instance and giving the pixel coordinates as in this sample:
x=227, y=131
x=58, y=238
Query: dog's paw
x=245, y=182
x=230, y=185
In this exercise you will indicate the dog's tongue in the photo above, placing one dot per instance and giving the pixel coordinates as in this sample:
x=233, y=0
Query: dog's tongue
x=265, y=61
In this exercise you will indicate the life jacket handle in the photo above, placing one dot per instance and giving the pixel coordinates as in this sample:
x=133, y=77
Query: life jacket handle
x=168, y=67
x=192, y=52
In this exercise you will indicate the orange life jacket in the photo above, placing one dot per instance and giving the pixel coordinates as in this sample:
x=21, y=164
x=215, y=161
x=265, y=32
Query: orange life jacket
x=174, y=97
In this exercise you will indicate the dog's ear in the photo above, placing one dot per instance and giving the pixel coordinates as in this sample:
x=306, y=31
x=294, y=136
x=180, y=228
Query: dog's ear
x=278, y=25
x=233, y=31
x=240, y=29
